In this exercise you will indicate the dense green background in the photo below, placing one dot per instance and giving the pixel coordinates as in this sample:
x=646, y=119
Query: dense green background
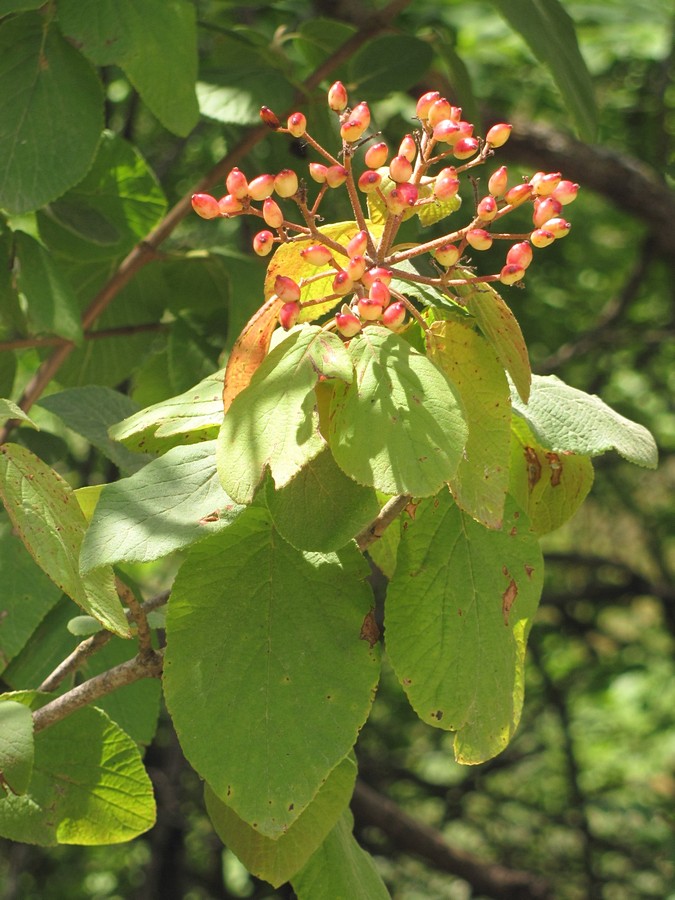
x=583, y=796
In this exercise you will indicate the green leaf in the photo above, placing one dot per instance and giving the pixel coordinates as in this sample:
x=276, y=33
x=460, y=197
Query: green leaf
x=27, y=594
x=16, y=747
x=548, y=486
x=428, y=214
x=457, y=616
x=278, y=860
x=482, y=479
x=47, y=517
x=502, y=330
x=274, y=421
x=8, y=6
x=384, y=550
x=398, y=426
x=48, y=646
x=340, y=869
x=549, y=33
x=564, y=419
x=171, y=503
x=89, y=786
x=193, y=416
x=9, y=410
x=83, y=626
x=266, y=676
x=154, y=42
x=52, y=305
x=376, y=69
x=90, y=411
x=109, y=211
x=51, y=113
x=321, y=509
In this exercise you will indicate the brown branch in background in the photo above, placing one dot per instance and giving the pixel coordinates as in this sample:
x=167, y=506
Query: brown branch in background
x=121, y=331
x=139, y=617
x=410, y=836
x=146, y=250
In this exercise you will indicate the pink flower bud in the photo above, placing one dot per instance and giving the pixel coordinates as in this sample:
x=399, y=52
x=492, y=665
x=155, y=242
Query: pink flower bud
x=498, y=182
x=342, y=284
x=518, y=194
x=541, y=238
x=288, y=315
x=446, y=255
x=357, y=245
x=558, y=227
x=286, y=289
x=377, y=273
x=447, y=132
x=566, y=192
x=229, y=205
x=369, y=181
x=297, y=124
x=205, y=206
x=479, y=239
x=272, y=213
x=347, y=323
x=353, y=129
x=317, y=172
x=263, y=242
x=409, y=193
x=544, y=183
x=361, y=112
x=396, y=202
x=286, y=183
x=446, y=184
x=519, y=255
x=511, y=273
x=336, y=176
x=545, y=209
x=356, y=267
x=261, y=187
x=487, y=209
x=376, y=155
x=337, y=97
x=408, y=148
x=394, y=316
x=380, y=293
x=317, y=255
x=440, y=109
x=269, y=118
x=400, y=169
x=465, y=148
x=465, y=128
x=425, y=103
x=236, y=184
x=498, y=134
x=369, y=310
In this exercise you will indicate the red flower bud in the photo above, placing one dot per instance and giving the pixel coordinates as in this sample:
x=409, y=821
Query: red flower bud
x=357, y=245
x=425, y=103
x=541, y=238
x=479, y=239
x=229, y=205
x=400, y=169
x=377, y=273
x=342, y=283
x=288, y=315
x=446, y=255
x=545, y=209
x=356, y=267
x=498, y=182
x=394, y=316
x=369, y=181
x=396, y=202
x=440, y=109
x=236, y=184
x=353, y=129
x=446, y=184
x=369, y=310
x=520, y=255
x=498, y=134
x=205, y=206
x=297, y=124
x=318, y=172
x=376, y=155
x=263, y=243
x=336, y=176
x=409, y=193
x=566, y=192
x=545, y=183
x=518, y=194
x=447, y=132
x=286, y=183
x=465, y=148
x=362, y=112
x=558, y=227
x=286, y=289
x=261, y=187
x=337, y=97
x=487, y=209
x=272, y=213
x=408, y=148
x=317, y=255
x=511, y=273
x=347, y=323
x=380, y=293
x=269, y=118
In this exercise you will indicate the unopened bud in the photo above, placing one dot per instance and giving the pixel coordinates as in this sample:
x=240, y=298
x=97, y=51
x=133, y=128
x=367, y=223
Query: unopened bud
x=336, y=176
x=229, y=205
x=261, y=187
x=369, y=181
x=558, y=227
x=487, y=209
x=263, y=242
x=377, y=273
x=297, y=124
x=498, y=134
x=337, y=97
x=288, y=315
x=317, y=255
x=566, y=192
x=394, y=316
x=236, y=184
x=518, y=194
x=376, y=155
x=440, y=109
x=380, y=293
x=286, y=289
x=446, y=255
x=465, y=148
x=269, y=118
x=544, y=183
x=409, y=193
x=362, y=112
x=545, y=209
x=357, y=245
x=369, y=310
x=408, y=148
x=520, y=255
x=286, y=183
x=447, y=132
x=425, y=103
x=347, y=323
x=342, y=283
x=511, y=273
x=396, y=202
x=353, y=129
x=541, y=238
x=205, y=206
x=446, y=185
x=272, y=213
x=356, y=267
x=317, y=172
x=400, y=169
x=498, y=182
x=479, y=239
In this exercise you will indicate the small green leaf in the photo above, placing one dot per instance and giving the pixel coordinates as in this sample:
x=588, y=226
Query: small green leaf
x=278, y=860
x=398, y=426
x=16, y=747
x=88, y=787
x=171, y=503
x=274, y=421
x=51, y=113
x=340, y=869
x=565, y=419
x=266, y=676
x=52, y=305
x=83, y=626
x=48, y=518
x=458, y=612
x=482, y=479
x=9, y=410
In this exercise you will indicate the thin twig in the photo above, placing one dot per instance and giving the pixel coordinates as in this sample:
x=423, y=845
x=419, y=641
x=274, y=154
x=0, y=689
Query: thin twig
x=390, y=511
x=137, y=613
x=121, y=331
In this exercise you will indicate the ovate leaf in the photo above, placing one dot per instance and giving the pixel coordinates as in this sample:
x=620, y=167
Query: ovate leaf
x=16, y=747
x=458, y=612
x=46, y=514
x=250, y=349
x=565, y=419
x=278, y=860
x=266, y=677
x=482, y=478
x=9, y=410
x=51, y=113
x=398, y=426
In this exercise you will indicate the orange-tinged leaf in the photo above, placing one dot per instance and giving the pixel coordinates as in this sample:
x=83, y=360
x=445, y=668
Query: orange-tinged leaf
x=250, y=349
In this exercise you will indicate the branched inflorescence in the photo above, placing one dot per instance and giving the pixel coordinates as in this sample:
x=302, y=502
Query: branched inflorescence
x=418, y=180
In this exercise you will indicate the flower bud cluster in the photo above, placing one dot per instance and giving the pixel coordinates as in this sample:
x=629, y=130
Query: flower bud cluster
x=422, y=175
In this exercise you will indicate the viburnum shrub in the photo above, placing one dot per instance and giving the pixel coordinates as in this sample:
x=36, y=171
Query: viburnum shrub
x=377, y=410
